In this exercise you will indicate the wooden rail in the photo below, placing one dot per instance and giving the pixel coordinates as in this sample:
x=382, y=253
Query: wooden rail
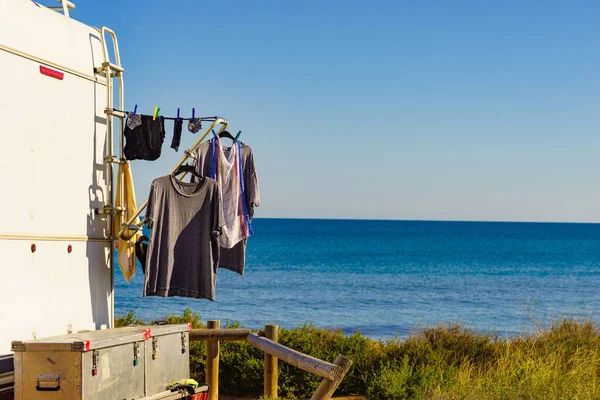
x=297, y=359
x=332, y=374
x=209, y=335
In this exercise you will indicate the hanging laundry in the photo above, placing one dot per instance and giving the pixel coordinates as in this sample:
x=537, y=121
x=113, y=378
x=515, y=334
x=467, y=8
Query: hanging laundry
x=144, y=136
x=233, y=167
x=141, y=251
x=126, y=248
x=177, y=128
x=194, y=125
x=226, y=168
x=186, y=221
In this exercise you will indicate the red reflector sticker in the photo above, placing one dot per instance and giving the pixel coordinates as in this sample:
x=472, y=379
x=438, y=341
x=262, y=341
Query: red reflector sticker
x=147, y=333
x=52, y=73
x=86, y=345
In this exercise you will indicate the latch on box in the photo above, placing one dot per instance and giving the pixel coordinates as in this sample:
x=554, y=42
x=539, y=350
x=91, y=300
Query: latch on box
x=136, y=353
x=154, y=348
x=183, y=342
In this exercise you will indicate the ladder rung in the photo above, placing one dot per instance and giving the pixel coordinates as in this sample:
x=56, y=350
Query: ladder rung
x=112, y=67
x=115, y=113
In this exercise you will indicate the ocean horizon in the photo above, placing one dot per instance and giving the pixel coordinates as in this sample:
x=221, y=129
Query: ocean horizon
x=388, y=277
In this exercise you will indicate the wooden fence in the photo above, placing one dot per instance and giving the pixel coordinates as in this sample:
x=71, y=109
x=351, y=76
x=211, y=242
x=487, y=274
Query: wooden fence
x=267, y=341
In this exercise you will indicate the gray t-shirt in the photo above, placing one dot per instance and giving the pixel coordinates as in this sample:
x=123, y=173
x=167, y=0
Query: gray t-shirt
x=183, y=251
x=234, y=258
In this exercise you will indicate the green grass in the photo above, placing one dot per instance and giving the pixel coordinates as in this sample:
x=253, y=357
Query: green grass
x=561, y=361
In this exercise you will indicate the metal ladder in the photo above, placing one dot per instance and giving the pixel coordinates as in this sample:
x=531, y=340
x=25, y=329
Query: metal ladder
x=112, y=71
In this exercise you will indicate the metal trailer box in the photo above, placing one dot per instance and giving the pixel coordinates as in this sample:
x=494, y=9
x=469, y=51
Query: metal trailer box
x=167, y=356
x=121, y=363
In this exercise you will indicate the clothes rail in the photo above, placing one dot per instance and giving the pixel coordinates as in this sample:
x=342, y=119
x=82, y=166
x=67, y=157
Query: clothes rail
x=203, y=119
x=129, y=225
x=207, y=119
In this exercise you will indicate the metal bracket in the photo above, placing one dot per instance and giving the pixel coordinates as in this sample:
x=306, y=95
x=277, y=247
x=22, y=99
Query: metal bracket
x=190, y=154
x=110, y=210
x=18, y=346
x=115, y=113
x=107, y=65
x=124, y=228
x=132, y=227
x=114, y=160
x=65, y=7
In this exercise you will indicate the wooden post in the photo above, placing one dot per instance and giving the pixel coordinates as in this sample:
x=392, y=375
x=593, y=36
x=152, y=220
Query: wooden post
x=327, y=387
x=271, y=368
x=212, y=363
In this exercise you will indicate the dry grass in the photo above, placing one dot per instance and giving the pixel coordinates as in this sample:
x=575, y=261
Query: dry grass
x=445, y=362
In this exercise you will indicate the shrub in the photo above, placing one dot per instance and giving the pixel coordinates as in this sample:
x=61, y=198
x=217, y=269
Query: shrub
x=128, y=319
x=444, y=362
x=392, y=381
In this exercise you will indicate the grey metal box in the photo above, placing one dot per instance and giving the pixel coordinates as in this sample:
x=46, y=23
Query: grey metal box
x=122, y=363
x=167, y=356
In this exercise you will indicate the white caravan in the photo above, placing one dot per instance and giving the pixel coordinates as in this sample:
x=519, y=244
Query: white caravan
x=56, y=271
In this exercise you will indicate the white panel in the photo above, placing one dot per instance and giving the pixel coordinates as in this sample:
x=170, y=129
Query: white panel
x=51, y=151
x=52, y=135
x=47, y=34
x=51, y=290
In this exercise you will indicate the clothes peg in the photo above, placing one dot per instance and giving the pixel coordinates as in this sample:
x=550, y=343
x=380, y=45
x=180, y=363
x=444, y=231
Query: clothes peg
x=178, y=113
x=237, y=136
x=193, y=113
x=156, y=112
x=134, y=109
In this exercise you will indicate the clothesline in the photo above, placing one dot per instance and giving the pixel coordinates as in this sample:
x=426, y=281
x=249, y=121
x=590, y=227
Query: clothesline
x=208, y=223
x=204, y=119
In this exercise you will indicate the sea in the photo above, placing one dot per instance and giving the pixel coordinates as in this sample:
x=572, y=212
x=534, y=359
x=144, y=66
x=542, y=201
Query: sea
x=388, y=279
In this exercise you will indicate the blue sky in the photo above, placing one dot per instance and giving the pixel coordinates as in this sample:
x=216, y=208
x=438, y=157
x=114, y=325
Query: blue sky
x=463, y=110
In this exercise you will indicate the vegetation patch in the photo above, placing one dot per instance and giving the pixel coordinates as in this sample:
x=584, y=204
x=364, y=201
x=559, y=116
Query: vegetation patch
x=561, y=361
